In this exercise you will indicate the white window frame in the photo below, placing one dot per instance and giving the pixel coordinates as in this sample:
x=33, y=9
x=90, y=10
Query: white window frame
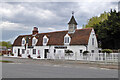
x=68, y=39
x=34, y=41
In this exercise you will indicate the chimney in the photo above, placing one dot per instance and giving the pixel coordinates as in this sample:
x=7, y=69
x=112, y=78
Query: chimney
x=35, y=31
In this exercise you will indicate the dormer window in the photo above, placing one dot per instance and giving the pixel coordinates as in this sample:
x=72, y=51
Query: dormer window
x=67, y=39
x=45, y=40
x=23, y=41
x=34, y=41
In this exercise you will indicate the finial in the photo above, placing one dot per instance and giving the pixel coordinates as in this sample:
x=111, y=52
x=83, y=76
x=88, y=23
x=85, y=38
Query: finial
x=72, y=13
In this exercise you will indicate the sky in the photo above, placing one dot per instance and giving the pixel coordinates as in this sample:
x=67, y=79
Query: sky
x=19, y=18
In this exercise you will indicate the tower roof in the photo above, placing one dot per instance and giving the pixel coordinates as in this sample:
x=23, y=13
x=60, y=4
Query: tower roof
x=72, y=21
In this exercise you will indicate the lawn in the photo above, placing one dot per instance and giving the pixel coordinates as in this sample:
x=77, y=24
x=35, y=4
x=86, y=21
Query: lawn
x=5, y=61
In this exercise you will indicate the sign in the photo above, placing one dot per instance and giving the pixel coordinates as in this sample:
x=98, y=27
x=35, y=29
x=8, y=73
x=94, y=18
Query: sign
x=30, y=47
x=60, y=47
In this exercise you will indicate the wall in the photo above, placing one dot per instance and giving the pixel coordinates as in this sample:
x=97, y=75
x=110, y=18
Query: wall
x=95, y=46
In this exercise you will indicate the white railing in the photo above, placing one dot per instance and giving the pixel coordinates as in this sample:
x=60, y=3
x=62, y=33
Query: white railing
x=111, y=57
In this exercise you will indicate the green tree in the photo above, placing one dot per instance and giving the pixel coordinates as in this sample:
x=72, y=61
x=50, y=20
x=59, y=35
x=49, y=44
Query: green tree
x=95, y=20
x=108, y=31
x=6, y=44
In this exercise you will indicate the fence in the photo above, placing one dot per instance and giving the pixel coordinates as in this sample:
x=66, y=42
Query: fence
x=107, y=57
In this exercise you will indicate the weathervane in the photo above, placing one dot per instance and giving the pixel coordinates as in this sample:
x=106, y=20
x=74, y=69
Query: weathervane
x=72, y=13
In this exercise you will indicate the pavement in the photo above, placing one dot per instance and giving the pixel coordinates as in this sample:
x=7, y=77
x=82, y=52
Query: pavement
x=29, y=68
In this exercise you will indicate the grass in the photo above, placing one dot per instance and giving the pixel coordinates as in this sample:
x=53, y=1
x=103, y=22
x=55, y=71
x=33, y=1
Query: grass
x=5, y=61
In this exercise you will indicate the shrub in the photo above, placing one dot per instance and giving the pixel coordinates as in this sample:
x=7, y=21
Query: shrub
x=106, y=51
x=68, y=52
x=85, y=52
x=29, y=56
x=38, y=57
x=11, y=54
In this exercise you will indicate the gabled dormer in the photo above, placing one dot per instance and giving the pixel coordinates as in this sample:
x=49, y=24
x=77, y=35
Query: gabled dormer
x=72, y=25
x=45, y=40
x=23, y=41
x=34, y=41
x=67, y=39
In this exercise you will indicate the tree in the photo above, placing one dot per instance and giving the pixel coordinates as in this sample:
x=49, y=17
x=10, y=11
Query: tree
x=108, y=31
x=95, y=20
x=6, y=44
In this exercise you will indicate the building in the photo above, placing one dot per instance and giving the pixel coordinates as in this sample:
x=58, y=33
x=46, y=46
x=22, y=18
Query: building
x=4, y=50
x=53, y=45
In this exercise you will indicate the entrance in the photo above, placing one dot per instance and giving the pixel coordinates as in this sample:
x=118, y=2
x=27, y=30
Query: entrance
x=18, y=52
x=45, y=54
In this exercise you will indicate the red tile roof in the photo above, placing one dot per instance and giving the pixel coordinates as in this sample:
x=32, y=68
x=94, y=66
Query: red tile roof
x=79, y=37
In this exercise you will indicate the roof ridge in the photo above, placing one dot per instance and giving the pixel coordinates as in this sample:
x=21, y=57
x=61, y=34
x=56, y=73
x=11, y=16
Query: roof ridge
x=83, y=28
x=53, y=32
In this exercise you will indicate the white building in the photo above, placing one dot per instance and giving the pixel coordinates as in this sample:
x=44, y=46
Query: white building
x=53, y=45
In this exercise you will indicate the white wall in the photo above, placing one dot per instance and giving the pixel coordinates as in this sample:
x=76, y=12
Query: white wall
x=15, y=51
x=41, y=48
x=95, y=46
x=59, y=52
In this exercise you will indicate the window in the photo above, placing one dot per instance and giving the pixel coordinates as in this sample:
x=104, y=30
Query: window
x=66, y=39
x=38, y=52
x=45, y=40
x=23, y=51
x=34, y=51
x=27, y=51
x=15, y=51
x=34, y=41
x=80, y=51
x=23, y=41
x=92, y=51
x=92, y=41
x=54, y=50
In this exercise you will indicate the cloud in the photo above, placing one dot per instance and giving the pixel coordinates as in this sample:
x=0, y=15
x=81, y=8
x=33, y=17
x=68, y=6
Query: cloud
x=12, y=26
x=20, y=17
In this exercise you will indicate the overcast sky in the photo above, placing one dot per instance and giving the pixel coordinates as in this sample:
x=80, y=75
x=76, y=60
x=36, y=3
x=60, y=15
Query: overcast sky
x=19, y=18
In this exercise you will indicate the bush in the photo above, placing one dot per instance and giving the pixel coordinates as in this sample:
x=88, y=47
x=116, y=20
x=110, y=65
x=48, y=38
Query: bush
x=68, y=52
x=106, y=51
x=11, y=54
x=38, y=57
x=85, y=52
x=29, y=56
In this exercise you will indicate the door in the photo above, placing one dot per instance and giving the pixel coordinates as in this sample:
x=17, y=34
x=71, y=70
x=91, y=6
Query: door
x=45, y=53
x=18, y=52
